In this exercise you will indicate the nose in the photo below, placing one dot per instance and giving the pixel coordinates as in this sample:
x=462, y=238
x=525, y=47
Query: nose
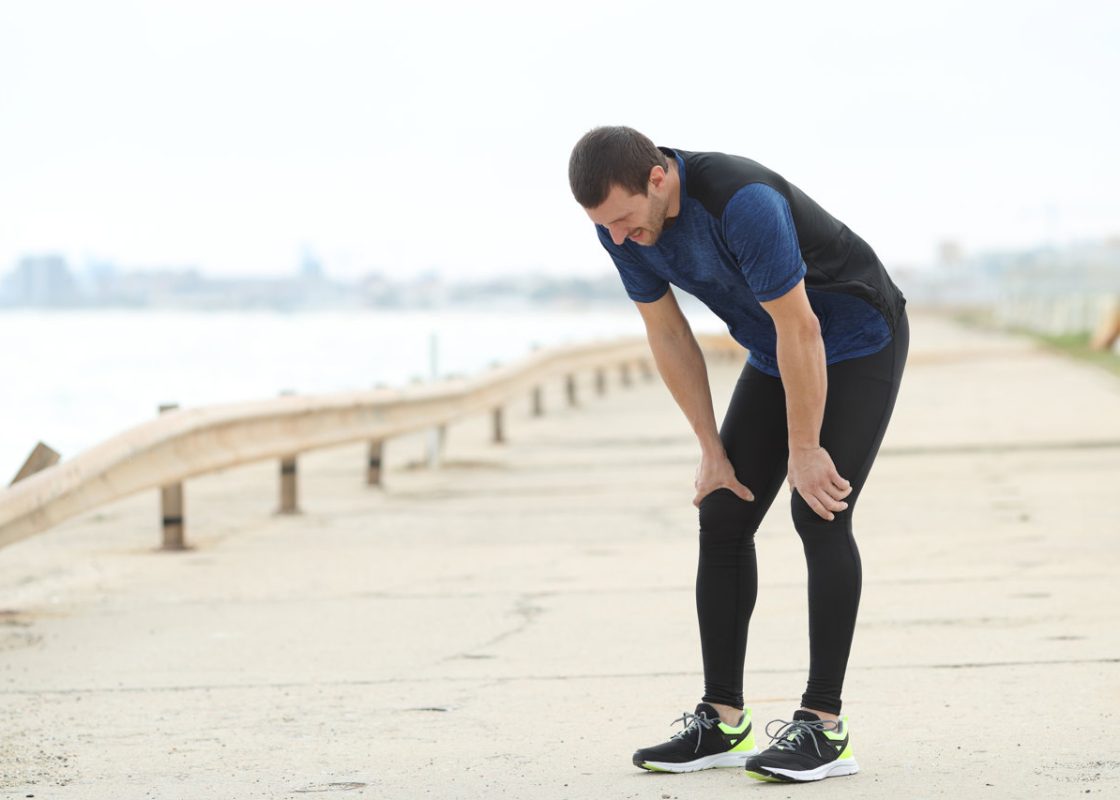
x=618, y=233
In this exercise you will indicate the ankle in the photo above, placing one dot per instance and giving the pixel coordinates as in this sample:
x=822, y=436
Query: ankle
x=728, y=715
x=824, y=715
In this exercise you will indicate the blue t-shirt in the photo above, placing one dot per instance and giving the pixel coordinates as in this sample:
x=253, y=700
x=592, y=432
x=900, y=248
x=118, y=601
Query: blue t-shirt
x=732, y=263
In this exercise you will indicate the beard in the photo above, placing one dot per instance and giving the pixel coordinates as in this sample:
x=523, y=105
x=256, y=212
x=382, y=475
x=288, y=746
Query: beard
x=655, y=224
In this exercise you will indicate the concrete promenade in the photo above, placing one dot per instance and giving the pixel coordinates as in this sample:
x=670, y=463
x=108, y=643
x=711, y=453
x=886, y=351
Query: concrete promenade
x=516, y=623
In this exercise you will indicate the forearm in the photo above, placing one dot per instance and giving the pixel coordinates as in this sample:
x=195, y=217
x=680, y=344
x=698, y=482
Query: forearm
x=681, y=364
x=801, y=361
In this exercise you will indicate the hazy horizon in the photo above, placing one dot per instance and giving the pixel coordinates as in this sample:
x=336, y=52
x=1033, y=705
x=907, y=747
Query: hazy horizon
x=402, y=138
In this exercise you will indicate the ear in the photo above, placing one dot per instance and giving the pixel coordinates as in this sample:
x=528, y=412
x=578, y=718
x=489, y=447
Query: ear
x=657, y=176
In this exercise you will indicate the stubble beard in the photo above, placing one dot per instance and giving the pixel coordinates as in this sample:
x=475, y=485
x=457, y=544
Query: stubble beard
x=659, y=210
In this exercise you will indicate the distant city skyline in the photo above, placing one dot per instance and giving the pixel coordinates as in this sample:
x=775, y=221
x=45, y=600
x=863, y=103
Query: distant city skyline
x=48, y=282
x=402, y=138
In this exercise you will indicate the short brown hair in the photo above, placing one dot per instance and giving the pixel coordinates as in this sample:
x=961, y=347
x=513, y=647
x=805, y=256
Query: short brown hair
x=611, y=156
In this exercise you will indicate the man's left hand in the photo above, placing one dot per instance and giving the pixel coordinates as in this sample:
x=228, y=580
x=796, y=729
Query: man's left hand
x=813, y=475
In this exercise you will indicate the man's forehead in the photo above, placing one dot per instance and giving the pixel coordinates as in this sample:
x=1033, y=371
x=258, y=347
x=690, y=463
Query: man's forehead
x=620, y=203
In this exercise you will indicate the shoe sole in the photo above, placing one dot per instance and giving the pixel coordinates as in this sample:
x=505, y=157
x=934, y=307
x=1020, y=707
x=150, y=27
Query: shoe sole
x=718, y=761
x=834, y=769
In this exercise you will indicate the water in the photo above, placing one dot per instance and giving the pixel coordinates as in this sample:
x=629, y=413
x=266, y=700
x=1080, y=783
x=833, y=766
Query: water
x=75, y=378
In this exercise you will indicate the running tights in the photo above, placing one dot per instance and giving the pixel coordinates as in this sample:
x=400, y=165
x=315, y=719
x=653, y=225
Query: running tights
x=861, y=396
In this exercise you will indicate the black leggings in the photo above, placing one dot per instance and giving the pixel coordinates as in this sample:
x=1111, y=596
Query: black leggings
x=861, y=395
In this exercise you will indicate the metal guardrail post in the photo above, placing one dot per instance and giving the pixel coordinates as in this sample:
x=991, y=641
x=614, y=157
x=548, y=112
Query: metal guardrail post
x=600, y=381
x=570, y=390
x=288, y=501
x=538, y=401
x=373, y=464
x=171, y=506
x=499, y=425
x=288, y=480
x=436, y=443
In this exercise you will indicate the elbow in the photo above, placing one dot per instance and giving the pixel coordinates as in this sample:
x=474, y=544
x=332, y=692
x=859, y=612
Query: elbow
x=801, y=336
x=804, y=330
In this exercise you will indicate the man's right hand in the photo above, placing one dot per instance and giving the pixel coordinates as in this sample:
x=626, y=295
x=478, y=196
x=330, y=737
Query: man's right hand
x=715, y=472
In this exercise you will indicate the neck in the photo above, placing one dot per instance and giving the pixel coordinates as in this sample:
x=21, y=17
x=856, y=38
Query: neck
x=673, y=185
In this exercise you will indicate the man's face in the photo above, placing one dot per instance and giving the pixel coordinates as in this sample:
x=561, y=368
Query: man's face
x=639, y=218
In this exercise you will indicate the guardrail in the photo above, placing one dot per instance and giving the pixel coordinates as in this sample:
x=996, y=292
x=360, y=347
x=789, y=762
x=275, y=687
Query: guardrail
x=185, y=443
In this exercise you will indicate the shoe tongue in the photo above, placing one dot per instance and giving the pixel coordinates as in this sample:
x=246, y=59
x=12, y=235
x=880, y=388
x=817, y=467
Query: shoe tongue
x=808, y=716
x=707, y=710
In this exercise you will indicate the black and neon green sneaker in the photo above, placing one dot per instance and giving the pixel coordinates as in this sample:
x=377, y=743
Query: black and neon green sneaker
x=807, y=749
x=704, y=743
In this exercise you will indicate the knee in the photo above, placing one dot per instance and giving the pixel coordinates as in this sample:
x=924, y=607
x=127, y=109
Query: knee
x=810, y=525
x=722, y=513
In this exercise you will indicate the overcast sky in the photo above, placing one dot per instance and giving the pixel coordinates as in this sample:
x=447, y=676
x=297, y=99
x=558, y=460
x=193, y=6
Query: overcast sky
x=407, y=136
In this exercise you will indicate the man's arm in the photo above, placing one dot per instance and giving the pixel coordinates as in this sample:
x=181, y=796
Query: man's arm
x=801, y=361
x=682, y=367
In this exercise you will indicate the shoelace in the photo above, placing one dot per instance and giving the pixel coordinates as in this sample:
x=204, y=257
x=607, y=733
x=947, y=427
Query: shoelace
x=699, y=722
x=790, y=733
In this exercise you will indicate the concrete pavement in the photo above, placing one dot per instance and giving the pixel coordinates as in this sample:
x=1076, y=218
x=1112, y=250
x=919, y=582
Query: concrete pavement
x=516, y=623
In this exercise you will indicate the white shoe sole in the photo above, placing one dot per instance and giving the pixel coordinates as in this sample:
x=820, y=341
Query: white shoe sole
x=835, y=769
x=720, y=760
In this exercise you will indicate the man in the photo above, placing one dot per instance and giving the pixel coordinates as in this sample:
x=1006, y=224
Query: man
x=828, y=336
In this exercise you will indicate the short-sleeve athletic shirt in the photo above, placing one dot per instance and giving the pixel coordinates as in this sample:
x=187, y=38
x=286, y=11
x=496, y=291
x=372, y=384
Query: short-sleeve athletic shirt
x=745, y=236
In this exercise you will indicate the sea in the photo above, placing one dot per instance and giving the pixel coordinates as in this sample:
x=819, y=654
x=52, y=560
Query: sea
x=73, y=378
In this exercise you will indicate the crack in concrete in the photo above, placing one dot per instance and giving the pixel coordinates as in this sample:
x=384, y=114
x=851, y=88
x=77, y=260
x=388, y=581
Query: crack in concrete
x=524, y=608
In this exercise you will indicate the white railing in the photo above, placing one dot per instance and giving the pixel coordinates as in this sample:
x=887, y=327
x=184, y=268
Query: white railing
x=1057, y=313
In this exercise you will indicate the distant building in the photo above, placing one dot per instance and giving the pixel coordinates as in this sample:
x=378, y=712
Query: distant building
x=165, y=288
x=41, y=281
x=375, y=290
x=310, y=268
x=950, y=253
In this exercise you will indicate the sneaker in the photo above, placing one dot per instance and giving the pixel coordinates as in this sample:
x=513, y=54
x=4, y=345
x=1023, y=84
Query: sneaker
x=807, y=749
x=704, y=743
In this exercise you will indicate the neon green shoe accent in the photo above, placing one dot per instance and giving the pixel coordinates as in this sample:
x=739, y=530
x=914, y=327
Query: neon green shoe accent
x=646, y=765
x=747, y=742
x=840, y=734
